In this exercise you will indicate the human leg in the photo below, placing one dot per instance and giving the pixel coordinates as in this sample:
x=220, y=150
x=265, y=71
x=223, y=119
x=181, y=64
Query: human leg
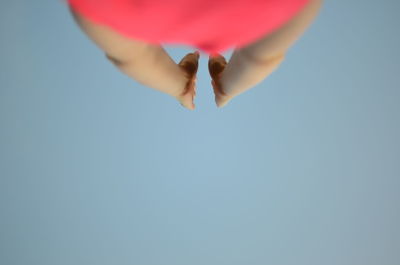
x=250, y=65
x=146, y=63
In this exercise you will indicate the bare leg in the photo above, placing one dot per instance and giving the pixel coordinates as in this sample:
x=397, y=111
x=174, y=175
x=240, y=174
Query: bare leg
x=250, y=65
x=146, y=63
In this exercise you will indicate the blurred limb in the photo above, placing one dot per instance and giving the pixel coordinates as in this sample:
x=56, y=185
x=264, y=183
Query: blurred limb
x=250, y=65
x=189, y=64
x=146, y=63
x=248, y=74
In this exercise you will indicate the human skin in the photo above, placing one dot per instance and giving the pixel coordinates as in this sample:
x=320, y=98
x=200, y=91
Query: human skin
x=150, y=64
x=146, y=63
x=250, y=65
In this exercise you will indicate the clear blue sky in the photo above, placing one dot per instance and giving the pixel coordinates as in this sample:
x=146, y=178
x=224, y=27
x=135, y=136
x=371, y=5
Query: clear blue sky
x=303, y=169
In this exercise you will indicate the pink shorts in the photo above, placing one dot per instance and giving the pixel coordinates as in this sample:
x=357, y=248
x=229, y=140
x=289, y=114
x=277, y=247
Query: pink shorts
x=212, y=26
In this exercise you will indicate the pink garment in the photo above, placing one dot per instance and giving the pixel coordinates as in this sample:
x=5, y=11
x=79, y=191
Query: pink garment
x=213, y=26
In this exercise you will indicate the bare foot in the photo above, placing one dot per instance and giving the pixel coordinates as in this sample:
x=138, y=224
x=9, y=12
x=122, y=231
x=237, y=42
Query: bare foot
x=189, y=64
x=216, y=65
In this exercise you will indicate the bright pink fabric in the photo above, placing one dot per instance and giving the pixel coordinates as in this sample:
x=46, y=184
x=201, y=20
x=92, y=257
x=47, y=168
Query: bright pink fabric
x=213, y=26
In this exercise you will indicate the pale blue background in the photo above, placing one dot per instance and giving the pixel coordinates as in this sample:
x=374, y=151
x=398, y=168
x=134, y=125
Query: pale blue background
x=302, y=169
